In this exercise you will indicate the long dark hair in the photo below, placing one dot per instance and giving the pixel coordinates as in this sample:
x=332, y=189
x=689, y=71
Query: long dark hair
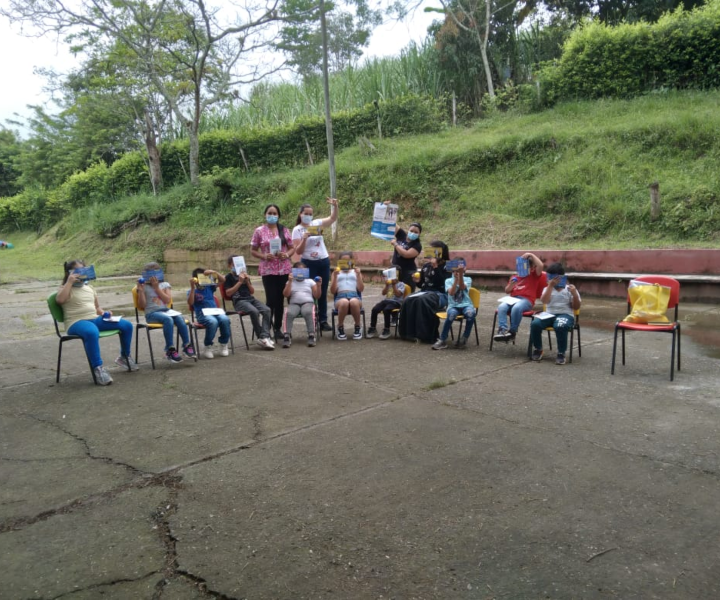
x=69, y=266
x=302, y=208
x=281, y=228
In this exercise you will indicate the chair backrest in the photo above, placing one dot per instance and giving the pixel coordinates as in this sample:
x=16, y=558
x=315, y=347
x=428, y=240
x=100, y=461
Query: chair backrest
x=475, y=297
x=135, y=303
x=223, y=293
x=665, y=281
x=56, y=311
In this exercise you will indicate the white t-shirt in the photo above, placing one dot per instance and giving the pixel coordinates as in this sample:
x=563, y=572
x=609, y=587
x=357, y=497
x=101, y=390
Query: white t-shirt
x=560, y=302
x=301, y=291
x=315, y=246
x=346, y=281
x=153, y=303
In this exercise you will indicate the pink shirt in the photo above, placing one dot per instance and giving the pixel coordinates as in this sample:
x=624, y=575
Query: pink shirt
x=261, y=241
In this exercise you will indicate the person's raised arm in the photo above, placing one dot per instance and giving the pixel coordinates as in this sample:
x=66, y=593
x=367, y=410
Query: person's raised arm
x=251, y=287
x=163, y=293
x=537, y=264
x=191, y=293
x=317, y=289
x=327, y=221
x=287, y=290
x=333, y=282
x=220, y=276
x=575, y=297
x=360, y=283
x=141, y=299
x=63, y=294
x=230, y=291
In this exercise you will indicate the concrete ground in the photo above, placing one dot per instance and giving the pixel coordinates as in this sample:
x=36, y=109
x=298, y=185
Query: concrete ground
x=371, y=469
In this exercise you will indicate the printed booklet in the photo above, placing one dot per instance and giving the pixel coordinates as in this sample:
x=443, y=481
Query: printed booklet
x=239, y=265
x=384, y=221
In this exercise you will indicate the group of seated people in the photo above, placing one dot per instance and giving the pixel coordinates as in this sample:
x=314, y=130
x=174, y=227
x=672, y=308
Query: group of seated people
x=411, y=301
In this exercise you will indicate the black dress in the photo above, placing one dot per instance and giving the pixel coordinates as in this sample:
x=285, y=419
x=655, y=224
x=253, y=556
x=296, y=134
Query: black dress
x=418, y=319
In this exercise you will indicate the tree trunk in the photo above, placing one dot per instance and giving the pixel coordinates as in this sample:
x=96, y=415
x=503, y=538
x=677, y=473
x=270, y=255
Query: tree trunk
x=194, y=153
x=153, y=156
x=328, y=117
x=483, y=50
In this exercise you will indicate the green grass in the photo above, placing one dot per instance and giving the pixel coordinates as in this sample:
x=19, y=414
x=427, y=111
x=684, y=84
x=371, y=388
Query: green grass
x=576, y=177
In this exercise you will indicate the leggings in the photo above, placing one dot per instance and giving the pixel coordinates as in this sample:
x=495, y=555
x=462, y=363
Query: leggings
x=89, y=330
x=274, y=286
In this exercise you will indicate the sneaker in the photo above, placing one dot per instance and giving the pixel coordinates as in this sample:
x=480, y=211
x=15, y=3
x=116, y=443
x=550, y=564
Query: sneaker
x=126, y=362
x=371, y=332
x=325, y=326
x=189, y=351
x=311, y=340
x=286, y=342
x=224, y=351
x=537, y=355
x=173, y=356
x=278, y=334
x=384, y=335
x=560, y=360
x=341, y=333
x=357, y=335
x=265, y=343
x=439, y=345
x=208, y=353
x=102, y=377
x=461, y=343
x=510, y=336
x=501, y=335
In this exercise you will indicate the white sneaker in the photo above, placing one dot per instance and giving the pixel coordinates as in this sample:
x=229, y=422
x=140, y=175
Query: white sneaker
x=224, y=350
x=208, y=353
x=266, y=343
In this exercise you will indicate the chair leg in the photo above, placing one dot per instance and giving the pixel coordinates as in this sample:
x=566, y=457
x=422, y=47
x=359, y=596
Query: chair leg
x=577, y=328
x=152, y=354
x=364, y=324
x=572, y=339
x=492, y=331
x=137, y=342
x=678, y=345
x=672, y=357
x=197, y=341
x=92, y=371
x=57, y=377
x=232, y=343
x=549, y=340
x=623, y=347
x=452, y=335
x=332, y=314
x=242, y=325
x=612, y=365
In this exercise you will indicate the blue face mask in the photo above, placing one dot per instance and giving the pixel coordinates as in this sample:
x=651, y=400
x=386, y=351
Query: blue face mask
x=306, y=219
x=272, y=219
x=413, y=236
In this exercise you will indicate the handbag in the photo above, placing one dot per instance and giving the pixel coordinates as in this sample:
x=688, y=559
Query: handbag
x=649, y=302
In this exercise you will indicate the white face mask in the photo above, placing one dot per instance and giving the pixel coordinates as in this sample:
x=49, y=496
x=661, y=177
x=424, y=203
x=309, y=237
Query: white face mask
x=306, y=219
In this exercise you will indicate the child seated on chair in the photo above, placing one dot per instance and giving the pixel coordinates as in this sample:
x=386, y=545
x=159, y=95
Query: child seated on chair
x=154, y=298
x=527, y=289
x=240, y=289
x=394, y=292
x=301, y=293
x=203, y=296
x=346, y=285
x=560, y=300
x=459, y=303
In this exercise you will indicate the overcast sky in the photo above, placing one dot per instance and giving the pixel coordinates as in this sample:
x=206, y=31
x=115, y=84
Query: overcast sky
x=22, y=55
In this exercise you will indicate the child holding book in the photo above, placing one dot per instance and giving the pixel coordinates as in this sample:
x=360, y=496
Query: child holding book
x=240, y=289
x=202, y=296
x=84, y=317
x=561, y=300
x=459, y=303
x=154, y=297
x=526, y=289
x=394, y=294
x=346, y=285
x=301, y=292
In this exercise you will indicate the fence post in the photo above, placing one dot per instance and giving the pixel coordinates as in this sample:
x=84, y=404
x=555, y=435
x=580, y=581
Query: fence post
x=654, y=201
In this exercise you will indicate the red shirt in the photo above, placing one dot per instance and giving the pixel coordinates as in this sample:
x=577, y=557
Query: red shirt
x=530, y=287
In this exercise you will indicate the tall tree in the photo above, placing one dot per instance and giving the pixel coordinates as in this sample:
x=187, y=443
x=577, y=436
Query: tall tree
x=190, y=51
x=9, y=152
x=613, y=12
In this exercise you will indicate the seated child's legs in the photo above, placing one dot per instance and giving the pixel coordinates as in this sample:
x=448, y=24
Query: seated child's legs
x=247, y=307
x=342, y=306
x=210, y=323
x=537, y=326
x=167, y=323
x=502, y=314
x=451, y=314
x=516, y=313
x=182, y=329
x=265, y=313
x=469, y=314
x=292, y=311
x=224, y=323
x=355, y=306
x=307, y=310
x=90, y=335
x=562, y=326
x=126, y=332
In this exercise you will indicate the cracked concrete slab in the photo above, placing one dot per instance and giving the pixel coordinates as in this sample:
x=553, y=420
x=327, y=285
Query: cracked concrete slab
x=108, y=540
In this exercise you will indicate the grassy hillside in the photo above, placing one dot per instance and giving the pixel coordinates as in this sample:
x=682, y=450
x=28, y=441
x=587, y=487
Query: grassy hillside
x=576, y=176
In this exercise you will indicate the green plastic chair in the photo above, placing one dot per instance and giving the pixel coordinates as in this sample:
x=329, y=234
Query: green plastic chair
x=59, y=317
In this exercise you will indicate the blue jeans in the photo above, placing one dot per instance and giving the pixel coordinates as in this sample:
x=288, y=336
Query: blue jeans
x=320, y=268
x=467, y=311
x=211, y=324
x=89, y=330
x=562, y=324
x=516, y=314
x=161, y=317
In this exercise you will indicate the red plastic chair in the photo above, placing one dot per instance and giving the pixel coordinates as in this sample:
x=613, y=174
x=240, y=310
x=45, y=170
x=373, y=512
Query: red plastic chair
x=672, y=328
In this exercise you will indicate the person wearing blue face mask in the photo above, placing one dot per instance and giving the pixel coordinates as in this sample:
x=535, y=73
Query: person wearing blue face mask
x=84, y=317
x=561, y=300
x=271, y=243
x=313, y=251
x=407, y=248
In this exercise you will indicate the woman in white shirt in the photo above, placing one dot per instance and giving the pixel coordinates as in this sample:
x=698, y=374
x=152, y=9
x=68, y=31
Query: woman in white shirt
x=313, y=251
x=346, y=286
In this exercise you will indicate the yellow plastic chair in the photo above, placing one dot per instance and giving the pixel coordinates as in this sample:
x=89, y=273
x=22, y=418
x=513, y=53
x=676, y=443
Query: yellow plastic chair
x=475, y=297
x=59, y=317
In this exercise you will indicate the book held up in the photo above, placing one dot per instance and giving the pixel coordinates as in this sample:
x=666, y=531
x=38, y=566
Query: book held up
x=239, y=265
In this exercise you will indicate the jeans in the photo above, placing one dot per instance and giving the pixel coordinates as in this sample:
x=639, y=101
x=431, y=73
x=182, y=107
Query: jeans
x=320, y=268
x=89, y=330
x=468, y=313
x=516, y=314
x=293, y=310
x=256, y=309
x=161, y=317
x=211, y=324
x=562, y=324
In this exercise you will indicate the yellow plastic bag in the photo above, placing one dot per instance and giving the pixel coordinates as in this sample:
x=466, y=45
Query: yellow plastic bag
x=649, y=302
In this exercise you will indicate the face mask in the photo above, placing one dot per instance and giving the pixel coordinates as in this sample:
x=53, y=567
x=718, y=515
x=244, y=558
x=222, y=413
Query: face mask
x=413, y=236
x=272, y=219
x=299, y=278
x=306, y=219
x=79, y=284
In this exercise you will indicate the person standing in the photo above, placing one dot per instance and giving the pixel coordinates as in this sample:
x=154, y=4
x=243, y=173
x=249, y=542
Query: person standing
x=406, y=248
